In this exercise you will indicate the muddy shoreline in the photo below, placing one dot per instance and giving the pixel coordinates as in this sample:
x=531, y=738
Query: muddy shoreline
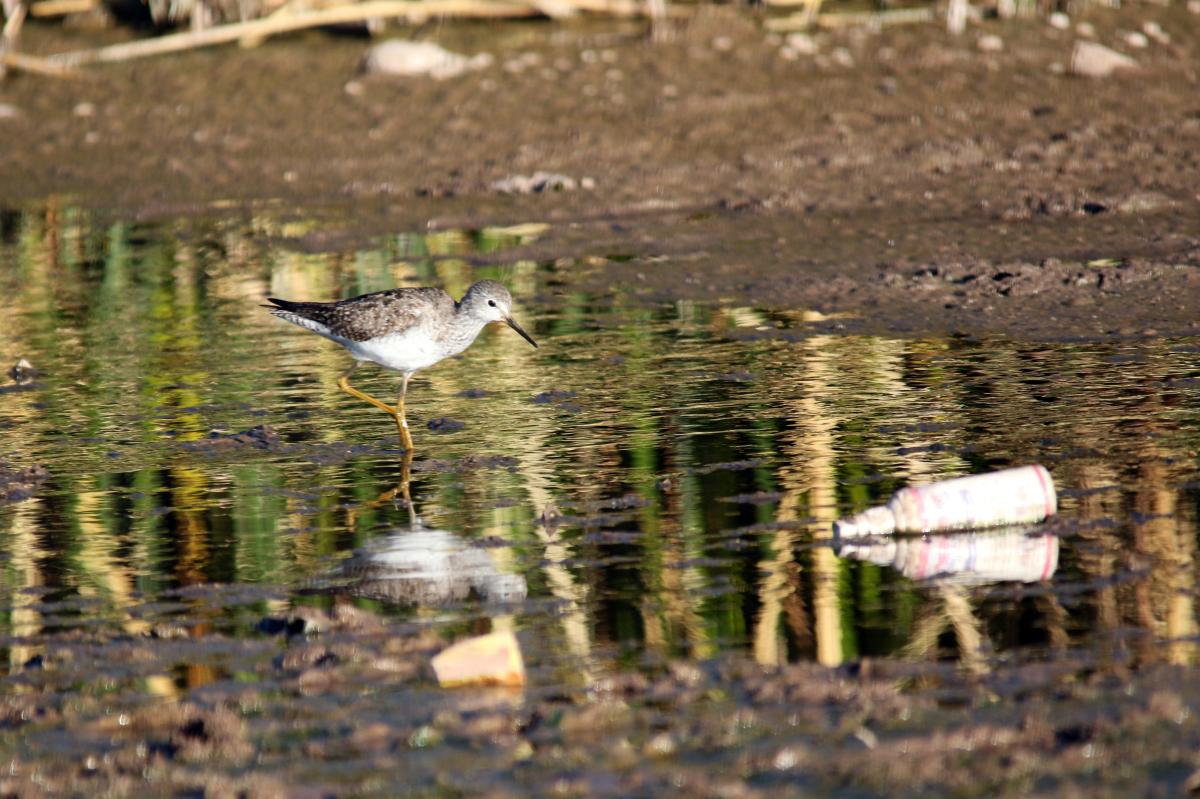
x=906, y=181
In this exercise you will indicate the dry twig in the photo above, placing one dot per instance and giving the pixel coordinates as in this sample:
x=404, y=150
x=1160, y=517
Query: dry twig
x=415, y=12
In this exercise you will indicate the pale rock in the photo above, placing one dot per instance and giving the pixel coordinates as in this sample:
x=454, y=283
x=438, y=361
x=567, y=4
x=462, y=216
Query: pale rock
x=1156, y=32
x=990, y=43
x=413, y=59
x=802, y=43
x=492, y=659
x=1097, y=61
x=1136, y=39
x=1060, y=21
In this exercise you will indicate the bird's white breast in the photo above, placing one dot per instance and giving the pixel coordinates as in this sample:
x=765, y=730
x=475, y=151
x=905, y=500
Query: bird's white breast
x=404, y=352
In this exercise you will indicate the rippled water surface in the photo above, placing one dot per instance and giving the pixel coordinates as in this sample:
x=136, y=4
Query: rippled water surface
x=658, y=479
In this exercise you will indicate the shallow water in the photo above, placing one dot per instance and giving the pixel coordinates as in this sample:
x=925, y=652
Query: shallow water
x=657, y=480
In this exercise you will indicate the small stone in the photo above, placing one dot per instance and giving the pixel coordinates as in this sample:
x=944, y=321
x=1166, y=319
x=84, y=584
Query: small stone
x=661, y=745
x=84, y=110
x=412, y=59
x=1193, y=6
x=990, y=43
x=1156, y=32
x=536, y=183
x=1097, y=61
x=8, y=111
x=802, y=43
x=1060, y=21
x=354, y=88
x=722, y=44
x=1086, y=29
x=1145, y=202
x=842, y=57
x=444, y=424
x=1136, y=39
x=22, y=372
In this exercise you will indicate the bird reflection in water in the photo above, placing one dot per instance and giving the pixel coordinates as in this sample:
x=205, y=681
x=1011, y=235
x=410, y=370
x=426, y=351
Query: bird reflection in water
x=420, y=565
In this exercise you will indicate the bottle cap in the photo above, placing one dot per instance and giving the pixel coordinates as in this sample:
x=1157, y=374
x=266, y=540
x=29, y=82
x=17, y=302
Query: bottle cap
x=872, y=521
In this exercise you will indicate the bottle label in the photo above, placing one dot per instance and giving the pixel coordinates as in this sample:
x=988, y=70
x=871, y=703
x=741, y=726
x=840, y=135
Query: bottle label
x=1011, y=496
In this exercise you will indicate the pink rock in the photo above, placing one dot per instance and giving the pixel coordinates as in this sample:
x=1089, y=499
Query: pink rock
x=492, y=659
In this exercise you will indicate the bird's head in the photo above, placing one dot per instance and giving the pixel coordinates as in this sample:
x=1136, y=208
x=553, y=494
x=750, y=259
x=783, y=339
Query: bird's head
x=489, y=301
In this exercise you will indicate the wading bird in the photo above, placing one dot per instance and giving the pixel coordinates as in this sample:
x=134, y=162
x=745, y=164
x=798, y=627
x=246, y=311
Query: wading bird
x=402, y=329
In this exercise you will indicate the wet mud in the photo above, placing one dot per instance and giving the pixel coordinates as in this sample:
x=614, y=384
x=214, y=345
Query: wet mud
x=911, y=179
x=772, y=289
x=341, y=702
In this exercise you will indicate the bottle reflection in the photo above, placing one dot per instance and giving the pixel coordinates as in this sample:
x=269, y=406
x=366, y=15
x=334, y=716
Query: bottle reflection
x=950, y=565
x=1009, y=554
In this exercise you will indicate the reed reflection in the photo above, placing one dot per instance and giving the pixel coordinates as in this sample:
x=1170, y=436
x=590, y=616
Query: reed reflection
x=664, y=475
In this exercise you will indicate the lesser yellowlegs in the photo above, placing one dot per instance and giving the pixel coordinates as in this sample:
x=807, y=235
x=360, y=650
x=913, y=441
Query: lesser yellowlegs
x=402, y=329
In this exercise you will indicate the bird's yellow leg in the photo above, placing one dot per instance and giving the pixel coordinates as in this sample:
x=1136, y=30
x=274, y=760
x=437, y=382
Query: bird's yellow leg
x=390, y=495
x=401, y=422
x=344, y=385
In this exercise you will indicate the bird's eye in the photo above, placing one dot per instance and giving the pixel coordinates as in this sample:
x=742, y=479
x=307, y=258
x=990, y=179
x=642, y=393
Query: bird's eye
x=492, y=303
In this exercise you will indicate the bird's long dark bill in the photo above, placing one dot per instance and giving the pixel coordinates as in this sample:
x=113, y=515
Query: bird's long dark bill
x=511, y=323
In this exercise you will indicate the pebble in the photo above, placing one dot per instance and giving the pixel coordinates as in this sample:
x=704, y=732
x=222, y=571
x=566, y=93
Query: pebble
x=8, y=111
x=1086, y=29
x=1156, y=32
x=537, y=183
x=1060, y=21
x=354, y=88
x=722, y=44
x=84, y=110
x=401, y=57
x=990, y=43
x=842, y=57
x=801, y=43
x=1193, y=6
x=1097, y=61
x=1136, y=39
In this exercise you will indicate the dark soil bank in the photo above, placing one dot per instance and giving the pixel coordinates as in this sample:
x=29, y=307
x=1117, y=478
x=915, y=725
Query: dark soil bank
x=916, y=180
x=298, y=722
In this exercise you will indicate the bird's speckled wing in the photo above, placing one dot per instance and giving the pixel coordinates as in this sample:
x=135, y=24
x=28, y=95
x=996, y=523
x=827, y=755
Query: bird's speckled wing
x=372, y=315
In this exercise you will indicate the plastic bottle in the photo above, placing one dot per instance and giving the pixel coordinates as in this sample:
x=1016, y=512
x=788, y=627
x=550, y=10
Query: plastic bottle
x=1013, y=496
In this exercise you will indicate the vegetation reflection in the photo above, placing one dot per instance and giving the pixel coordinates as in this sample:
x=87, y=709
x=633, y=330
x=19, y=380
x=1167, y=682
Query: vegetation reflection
x=660, y=477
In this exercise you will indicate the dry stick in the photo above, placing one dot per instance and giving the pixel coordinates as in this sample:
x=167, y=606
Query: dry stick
x=265, y=27
x=12, y=29
x=899, y=16
x=59, y=8
x=35, y=65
